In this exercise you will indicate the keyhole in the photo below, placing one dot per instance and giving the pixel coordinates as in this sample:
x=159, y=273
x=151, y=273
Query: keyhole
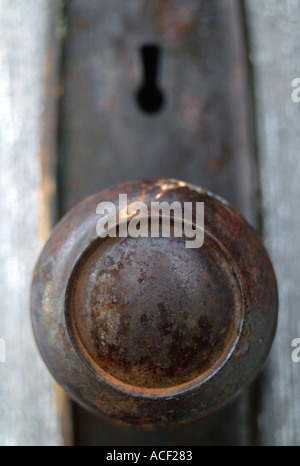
x=150, y=98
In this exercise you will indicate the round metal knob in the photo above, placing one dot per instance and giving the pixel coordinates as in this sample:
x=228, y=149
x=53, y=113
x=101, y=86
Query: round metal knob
x=143, y=329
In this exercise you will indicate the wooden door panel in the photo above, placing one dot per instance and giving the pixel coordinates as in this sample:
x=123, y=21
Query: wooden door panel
x=70, y=127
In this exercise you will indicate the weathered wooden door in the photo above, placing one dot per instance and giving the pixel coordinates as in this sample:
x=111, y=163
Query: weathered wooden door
x=72, y=124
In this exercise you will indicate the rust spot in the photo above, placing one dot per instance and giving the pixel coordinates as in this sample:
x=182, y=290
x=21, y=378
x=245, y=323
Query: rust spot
x=174, y=22
x=215, y=165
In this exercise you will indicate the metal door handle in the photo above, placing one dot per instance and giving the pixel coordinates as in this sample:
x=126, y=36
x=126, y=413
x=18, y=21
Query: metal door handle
x=144, y=330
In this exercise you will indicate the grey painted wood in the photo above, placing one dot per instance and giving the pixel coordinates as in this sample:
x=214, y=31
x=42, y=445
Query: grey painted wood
x=28, y=406
x=275, y=44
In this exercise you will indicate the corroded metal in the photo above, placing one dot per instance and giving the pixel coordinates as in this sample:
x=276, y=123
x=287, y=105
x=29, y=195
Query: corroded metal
x=144, y=330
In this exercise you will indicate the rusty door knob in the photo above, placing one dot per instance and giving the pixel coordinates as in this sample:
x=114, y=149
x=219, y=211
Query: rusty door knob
x=143, y=329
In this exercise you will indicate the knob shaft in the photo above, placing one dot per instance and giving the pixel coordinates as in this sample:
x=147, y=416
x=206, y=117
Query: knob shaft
x=145, y=330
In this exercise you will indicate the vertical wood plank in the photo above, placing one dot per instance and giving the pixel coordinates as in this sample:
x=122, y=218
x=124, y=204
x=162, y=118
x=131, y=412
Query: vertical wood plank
x=275, y=45
x=29, y=413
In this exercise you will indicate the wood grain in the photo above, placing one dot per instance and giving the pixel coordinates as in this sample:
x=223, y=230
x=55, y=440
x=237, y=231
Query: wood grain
x=275, y=46
x=29, y=413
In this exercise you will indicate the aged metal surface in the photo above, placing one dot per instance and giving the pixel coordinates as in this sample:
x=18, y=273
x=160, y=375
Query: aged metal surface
x=275, y=42
x=143, y=330
x=29, y=413
x=153, y=314
x=201, y=135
